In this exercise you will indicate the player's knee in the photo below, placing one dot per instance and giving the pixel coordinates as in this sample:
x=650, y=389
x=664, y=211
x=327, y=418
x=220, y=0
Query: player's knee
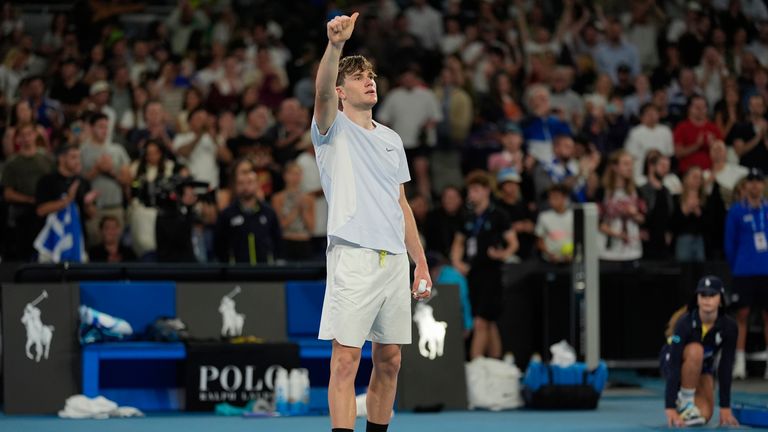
x=389, y=365
x=344, y=366
x=693, y=352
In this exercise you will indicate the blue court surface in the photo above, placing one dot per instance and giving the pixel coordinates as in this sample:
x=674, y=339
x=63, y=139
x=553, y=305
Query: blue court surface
x=634, y=409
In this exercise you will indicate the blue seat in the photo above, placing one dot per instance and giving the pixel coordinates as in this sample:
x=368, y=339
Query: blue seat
x=139, y=303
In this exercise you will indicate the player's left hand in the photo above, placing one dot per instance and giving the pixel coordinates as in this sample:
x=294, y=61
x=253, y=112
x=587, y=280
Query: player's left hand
x=727, y=418
x=421, y=272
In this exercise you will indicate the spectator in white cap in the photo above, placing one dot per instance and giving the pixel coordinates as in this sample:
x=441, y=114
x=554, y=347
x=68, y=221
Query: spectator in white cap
x=99, y=102
x=510, y=199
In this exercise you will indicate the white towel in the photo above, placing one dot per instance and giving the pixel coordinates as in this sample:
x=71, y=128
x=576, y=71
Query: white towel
x=82, y=407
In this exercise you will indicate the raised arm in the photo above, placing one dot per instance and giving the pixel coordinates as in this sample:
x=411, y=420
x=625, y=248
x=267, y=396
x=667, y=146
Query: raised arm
x=326, y=100
x=522, y=24
x=566, y=21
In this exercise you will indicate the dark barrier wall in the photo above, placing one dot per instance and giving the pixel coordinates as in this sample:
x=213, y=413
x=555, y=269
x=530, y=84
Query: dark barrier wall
x=41, y=353
x=636, y=303
x=228, y=309
x=432, y=371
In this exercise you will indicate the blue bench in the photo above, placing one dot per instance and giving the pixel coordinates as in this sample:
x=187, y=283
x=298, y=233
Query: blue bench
x=139, y=303
x=143, y=398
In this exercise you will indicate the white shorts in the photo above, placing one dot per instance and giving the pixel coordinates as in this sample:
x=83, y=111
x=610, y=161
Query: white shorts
x=367, y=297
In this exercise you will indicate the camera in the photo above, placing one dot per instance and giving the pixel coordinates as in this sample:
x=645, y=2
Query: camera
x=176, y=198
x=166, y=193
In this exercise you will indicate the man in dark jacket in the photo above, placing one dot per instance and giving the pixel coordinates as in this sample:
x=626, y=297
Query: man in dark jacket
x=248, y=230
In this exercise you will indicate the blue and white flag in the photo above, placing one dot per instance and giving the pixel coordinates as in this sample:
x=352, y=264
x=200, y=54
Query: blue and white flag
x=61, y=239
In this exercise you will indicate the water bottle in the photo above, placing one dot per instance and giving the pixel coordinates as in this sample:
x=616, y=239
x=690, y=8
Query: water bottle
x=305, y=391
x=281, y=391
x=295, y=384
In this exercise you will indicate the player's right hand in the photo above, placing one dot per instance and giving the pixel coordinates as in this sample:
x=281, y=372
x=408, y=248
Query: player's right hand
x=340, y=28
x=673, y=418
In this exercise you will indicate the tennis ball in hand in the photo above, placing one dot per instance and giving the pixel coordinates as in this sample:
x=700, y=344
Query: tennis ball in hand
x=567, y=249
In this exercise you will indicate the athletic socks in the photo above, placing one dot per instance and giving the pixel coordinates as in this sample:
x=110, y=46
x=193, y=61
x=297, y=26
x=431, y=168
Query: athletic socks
x=685, y=396
x=370, y=427
x=374, y=427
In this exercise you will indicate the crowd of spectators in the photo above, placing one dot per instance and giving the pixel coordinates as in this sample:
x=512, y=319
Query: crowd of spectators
x=187, y=138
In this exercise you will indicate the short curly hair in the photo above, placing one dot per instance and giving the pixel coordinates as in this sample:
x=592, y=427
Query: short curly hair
x=350, y=65
x=478, y=177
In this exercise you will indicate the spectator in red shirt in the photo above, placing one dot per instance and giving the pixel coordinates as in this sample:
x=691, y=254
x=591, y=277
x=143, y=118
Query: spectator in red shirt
x=694, y=135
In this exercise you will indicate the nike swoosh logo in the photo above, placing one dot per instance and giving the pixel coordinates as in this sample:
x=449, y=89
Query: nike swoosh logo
x=390, y=149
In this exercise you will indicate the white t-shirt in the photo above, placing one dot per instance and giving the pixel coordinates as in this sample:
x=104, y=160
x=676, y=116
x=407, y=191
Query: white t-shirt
x=760, y=51
x=202, y=161
x=713, y=89
x=556, y=229
x=426, y=24
x=451, y=43
x=728, y=176
x=641, y=139
x=755, y=10
x=130, y=121
x=361, y=171
x=406, y=111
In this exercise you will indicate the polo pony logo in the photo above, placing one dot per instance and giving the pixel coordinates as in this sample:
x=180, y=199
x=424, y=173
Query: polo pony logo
x=431, y=331
x=38, y=334
x=231, y=321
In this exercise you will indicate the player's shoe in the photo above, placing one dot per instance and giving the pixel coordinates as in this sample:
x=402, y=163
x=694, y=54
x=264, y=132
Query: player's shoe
x=690, y=414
